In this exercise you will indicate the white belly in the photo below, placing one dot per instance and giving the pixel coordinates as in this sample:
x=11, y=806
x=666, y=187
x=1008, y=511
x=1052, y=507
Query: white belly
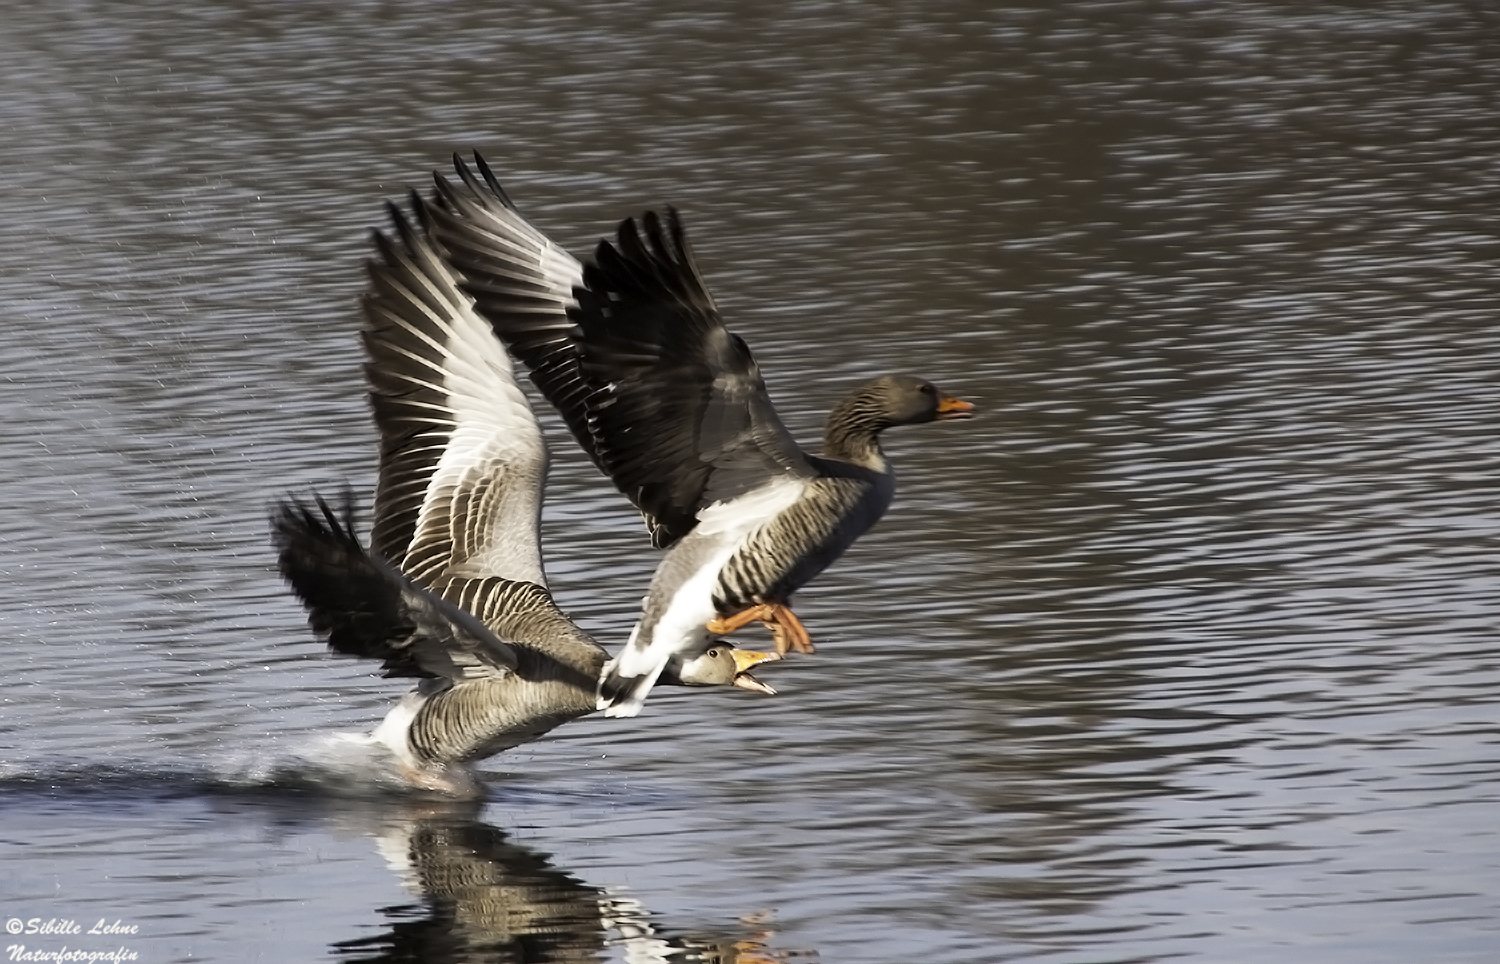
x=680, y=602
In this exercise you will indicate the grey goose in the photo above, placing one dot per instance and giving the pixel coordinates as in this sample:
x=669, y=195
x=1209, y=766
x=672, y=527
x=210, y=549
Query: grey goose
x=452, y=592
x=668, y=403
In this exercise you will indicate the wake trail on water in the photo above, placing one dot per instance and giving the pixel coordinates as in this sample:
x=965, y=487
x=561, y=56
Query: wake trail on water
x=334, y=764
x=341, y=764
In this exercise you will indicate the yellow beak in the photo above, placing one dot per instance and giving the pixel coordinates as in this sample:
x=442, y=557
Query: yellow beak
x=744, y=659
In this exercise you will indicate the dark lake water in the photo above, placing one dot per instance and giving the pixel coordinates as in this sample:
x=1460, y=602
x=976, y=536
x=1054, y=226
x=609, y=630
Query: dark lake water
x=1186, y=649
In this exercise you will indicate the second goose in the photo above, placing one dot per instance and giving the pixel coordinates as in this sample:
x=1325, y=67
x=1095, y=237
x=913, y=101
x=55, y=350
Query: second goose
x=631, y=350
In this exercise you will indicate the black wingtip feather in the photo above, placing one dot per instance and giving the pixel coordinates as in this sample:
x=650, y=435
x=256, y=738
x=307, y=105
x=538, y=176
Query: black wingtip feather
x=352, y=599
x=419, y=211
x=493, y=182
x=650, y=258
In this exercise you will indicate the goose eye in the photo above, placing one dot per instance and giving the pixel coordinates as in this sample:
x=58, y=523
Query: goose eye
x=714, y=653
x=928, y=390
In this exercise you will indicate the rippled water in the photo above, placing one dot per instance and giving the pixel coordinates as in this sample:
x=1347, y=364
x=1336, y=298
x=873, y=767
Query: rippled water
x=1186, y=649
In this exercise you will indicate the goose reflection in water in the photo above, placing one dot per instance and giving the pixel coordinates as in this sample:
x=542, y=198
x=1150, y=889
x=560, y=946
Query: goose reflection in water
x=486, y=898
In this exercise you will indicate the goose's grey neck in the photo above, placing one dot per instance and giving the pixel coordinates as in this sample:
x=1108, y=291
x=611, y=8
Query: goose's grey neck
x=852, y=431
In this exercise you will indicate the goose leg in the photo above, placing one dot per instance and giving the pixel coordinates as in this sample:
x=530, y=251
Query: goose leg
x=724, y=625
x=786, y=629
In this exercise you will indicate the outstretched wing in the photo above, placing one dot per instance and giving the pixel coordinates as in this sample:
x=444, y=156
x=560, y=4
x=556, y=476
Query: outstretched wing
x=631, y=351
x=461, y=456
x=681, y=419
x=366, y=608
x=522, y=283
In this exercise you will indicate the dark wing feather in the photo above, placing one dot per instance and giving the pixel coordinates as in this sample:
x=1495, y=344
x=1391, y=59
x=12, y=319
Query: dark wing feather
x=521, y=282
x=681, y=417
x=630, y=351
x=366, y=608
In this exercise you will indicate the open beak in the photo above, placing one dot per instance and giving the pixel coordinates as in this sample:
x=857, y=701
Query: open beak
x=744, y=659
x=952, y=408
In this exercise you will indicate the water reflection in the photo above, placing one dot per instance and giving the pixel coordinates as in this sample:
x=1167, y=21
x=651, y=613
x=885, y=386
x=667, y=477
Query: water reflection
x=481, y=896
x=485, y=897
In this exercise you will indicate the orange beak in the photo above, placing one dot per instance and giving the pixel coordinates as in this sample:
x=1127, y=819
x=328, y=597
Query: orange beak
x=953, y=408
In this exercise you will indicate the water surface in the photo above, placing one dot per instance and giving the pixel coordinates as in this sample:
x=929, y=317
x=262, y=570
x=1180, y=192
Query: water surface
x=1185, y=649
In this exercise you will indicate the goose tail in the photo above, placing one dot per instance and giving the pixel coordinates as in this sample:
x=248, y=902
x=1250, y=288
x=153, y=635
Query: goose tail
x=622, y=693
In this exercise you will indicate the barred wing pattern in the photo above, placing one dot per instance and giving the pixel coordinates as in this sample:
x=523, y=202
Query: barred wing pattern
x=521, y=282
x=462, y=459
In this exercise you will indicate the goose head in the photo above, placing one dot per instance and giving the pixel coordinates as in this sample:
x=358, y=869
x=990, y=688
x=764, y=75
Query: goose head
x=909, y=400
x=719, y=664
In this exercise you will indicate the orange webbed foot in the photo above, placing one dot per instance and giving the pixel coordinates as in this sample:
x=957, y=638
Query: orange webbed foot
x=786, y=629
x=724, y=625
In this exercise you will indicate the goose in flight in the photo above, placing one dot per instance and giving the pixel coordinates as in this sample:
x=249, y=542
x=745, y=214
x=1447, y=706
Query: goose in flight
x=669, y=404
x=453, y=593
